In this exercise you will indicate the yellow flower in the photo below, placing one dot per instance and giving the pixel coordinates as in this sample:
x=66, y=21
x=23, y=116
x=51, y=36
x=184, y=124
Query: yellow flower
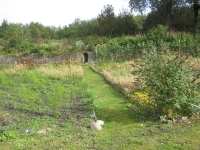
x=142, y=99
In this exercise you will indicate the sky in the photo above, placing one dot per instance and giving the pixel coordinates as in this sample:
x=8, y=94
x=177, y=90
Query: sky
x=55, y=12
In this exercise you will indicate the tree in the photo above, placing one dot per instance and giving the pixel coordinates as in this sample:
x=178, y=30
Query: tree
x=11, y=30
x=37, y=30
x=8, y=30
x=152, y=19
x=166, y=7
x=181, y=19
x=196, y=7
x=81, y=28
x=140, y=20
x=51, y=32
x=126, y=24
x=61, y=32
x=89, y=27
x=155, y=5
x=3, y=28
x=106, y=21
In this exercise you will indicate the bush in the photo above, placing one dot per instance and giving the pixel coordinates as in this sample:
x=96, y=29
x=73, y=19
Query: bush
x=93, y=39
x=26, y=46
x=79, y=46
x=169, y=83
x=14, y=42
x=11, y=50
x=90, y=47
x=12, y=45
x=158, y=33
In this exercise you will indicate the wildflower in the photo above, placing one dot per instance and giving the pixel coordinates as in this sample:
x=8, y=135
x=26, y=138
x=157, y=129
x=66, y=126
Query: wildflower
x=141, y=99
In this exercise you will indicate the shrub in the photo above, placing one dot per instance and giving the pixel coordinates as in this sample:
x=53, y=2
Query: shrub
x=11, y=50
x=25, y=46
x=40, y=49
x=12, y=45
x=158, y=33
x=169, y=82
x=14, y=42
x=90, y=47
x=79, y=45
x=93, y=39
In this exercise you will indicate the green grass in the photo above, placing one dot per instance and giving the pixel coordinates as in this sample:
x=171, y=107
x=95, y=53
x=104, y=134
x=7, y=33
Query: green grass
x=123, y=130
x=31, y=100
x=108, y=103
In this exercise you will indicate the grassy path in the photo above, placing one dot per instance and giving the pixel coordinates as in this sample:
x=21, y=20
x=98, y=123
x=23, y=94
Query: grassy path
x=110, y=105
x=111, y=108
x=123, y=130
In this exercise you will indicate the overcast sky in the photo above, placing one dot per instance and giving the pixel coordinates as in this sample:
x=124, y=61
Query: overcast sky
x=54, y=12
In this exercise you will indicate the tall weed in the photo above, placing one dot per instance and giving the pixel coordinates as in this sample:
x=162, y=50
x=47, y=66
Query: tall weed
x=169, y=81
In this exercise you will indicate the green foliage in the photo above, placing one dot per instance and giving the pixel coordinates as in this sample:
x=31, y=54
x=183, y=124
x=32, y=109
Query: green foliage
x=36, y=49
x=82, y=28
x=9, y=30
x=158, y=33
x=123, y=48
x=140, y=20
x=90, y=47
x=25, y=46
x=36, y=30
x=125, y=23
x=35, y=38
x=3, y=28
x=107, y=21
x=7, y=135
x=79, y=45
x=14, y=42
x=72, y=129
x=169, y=81
x=176, y=14
x=12, y=45
x=93, y=39
x=28, y=48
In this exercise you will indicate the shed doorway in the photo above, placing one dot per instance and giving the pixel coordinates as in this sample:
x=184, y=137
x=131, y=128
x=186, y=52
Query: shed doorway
x=85, y=58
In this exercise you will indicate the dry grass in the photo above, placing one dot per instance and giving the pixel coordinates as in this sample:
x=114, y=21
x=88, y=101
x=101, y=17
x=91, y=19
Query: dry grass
x=61, y=71
x=15, y=68
x=195, y=62
x=121, y=74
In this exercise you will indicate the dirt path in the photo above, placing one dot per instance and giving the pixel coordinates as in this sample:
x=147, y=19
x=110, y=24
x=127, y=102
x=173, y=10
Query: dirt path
x=110, y=105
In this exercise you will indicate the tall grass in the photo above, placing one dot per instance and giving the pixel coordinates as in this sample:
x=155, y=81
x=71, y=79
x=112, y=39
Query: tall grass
x=119, y=74
x=62, y=71
x=122, y=74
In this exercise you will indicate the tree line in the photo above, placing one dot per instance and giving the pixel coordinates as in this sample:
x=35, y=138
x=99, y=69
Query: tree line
x=107, y=23
x=177, y=15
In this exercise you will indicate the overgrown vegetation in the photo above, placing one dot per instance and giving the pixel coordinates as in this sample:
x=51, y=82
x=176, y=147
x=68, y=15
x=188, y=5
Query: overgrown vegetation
x=53, y=98
x=129, y=47
x=123, y=33
x=169, y=82
x=160, y=83
x=154, y=73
